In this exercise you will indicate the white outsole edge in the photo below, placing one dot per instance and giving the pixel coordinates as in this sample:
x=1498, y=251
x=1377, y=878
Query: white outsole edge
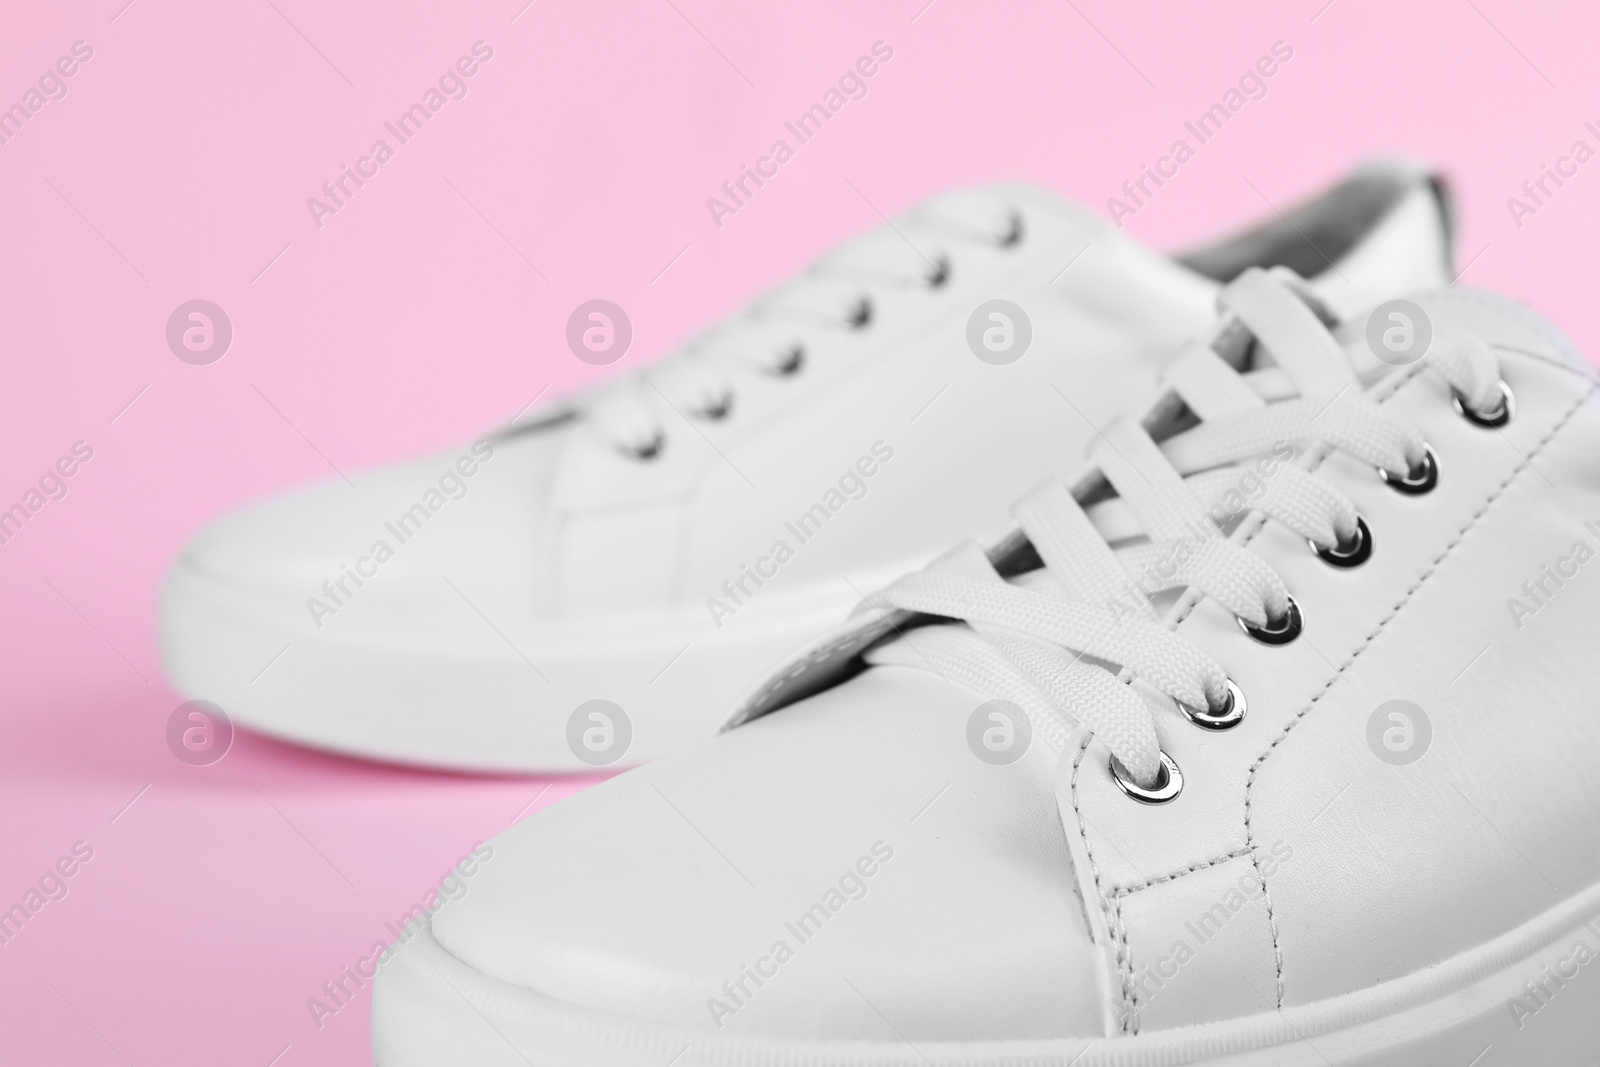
x=430, y=1008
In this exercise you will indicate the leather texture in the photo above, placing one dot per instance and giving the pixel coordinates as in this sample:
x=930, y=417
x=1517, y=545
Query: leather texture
x=1424, y=620
x=1035, y=901
x=678, y=876
x=565, y=570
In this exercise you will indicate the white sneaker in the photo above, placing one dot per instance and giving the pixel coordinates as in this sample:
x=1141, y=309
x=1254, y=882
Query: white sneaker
x=1344, y=811
x=655, y=543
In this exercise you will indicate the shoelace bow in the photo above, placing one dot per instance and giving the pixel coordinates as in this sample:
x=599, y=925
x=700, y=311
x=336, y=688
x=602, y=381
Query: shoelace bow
x=1027, y=639
x=771, y=337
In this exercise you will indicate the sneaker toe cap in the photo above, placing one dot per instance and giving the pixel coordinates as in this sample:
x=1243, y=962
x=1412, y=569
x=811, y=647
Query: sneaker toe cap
x=831, y=869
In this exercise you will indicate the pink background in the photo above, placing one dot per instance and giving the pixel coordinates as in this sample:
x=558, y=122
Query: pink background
x=178, y=167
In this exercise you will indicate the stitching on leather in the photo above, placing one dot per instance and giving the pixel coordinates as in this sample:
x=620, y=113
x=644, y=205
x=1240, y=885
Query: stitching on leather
x=1124, y=959
x=1388, y=389
x=1398, y=384
x=1366, y=642
x=1266, y=896
x=1130, y=1018
x=1217, y=861
x=1113, y=923
x=1385, y=392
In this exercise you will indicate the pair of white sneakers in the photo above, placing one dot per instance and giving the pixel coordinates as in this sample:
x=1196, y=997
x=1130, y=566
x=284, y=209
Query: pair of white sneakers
x=1265, y=736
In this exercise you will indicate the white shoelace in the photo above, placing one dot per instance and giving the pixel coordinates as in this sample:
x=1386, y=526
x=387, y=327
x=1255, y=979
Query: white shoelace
x=780, y=331
x=1050, y=640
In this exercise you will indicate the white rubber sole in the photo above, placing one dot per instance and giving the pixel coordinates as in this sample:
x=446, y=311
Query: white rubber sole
x=430, y=1009
x=495, y=699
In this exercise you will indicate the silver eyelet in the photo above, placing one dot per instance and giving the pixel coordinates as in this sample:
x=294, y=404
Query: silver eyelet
x=1420, y=479
x=718, y=409
x=794, y=357
x=1013, y=233
x=647, y=450
x=1357, y=552
x=860, y=314
x=1277, y=632
x=1487, y=419
x=1169, y=783
x=1226, y=717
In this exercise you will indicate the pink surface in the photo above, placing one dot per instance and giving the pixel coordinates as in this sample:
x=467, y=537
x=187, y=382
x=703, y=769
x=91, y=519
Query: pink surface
x=433, y=304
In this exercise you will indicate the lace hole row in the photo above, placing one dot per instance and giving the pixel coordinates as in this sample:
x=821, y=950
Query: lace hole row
x=1422, y=479
x=859, y=317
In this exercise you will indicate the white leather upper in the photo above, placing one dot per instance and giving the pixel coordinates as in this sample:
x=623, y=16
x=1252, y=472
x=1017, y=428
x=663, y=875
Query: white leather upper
x=1295, y=866
x=1360, y=898
x=419, y=614
x=562, y=524
x=645, y=894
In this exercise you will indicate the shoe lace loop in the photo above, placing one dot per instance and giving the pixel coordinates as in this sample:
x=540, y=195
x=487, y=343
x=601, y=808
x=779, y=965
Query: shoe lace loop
x=1063, y=642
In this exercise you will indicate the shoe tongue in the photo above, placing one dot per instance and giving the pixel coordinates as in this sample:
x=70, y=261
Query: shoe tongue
x=1407, y=246
x=1408, y=249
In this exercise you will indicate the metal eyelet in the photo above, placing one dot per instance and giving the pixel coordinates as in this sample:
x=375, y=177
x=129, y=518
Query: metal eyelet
x=718, y=410
x=1169, y=783
x=1279, y=632
x=648, y=450
x=939, y=275
x=860, y=314
x=1354, y=554
x=1226, y=717
x=793, y=359
x=1420, y=479
x=1490, y=419
x=1013, y=233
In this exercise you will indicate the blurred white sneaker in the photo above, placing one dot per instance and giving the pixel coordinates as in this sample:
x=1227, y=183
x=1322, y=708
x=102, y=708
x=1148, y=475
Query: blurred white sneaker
x=655, y=543
x=1271, y=742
